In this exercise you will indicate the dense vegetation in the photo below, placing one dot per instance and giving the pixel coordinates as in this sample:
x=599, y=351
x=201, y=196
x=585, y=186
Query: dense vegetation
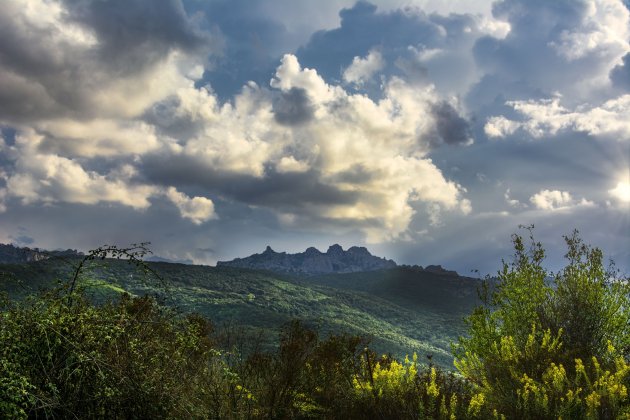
x=404, y=309
x=535, y=349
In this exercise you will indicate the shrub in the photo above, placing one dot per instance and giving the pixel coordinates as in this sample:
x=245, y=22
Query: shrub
x=550, y=349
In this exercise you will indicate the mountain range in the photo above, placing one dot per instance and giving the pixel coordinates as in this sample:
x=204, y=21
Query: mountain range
x=313, y=262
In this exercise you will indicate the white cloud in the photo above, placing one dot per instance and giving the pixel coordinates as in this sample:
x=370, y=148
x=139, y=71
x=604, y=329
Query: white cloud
x=604, y=27
x=371, y=152
x=497, y=127
x=65, y=68
x=549, y=117
x=511, y=201
x=556, y=200
x=98, y=137
x=51, y=178
x=195, y=209
x=92, y=112
x=621, y=192
x=290, y=164
x=362, y=69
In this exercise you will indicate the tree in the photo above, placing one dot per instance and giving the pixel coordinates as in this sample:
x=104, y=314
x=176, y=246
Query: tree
x=548, y=345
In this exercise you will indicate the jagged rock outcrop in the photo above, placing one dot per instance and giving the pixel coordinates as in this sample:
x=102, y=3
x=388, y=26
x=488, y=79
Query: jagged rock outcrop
x=313, y=262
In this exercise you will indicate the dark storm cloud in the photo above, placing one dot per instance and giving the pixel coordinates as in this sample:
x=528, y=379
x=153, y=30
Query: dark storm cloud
x=293, y=107
x=620, y=75
x=134, y=33
x=274, y=190
x=43, y=74
x=450, y=127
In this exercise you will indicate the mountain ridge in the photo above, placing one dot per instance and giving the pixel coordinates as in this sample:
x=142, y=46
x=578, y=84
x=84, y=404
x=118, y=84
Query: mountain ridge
x=313, y=262
x=11, y=254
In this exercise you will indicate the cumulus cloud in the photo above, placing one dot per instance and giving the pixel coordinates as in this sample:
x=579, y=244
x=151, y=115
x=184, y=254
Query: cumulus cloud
x=362, y=69
x=195, y=209
x=549, y=117
x=50, y=178
x=404, y=42
x=450, y=126
x=137, y=108
x=289, y=164
x=556, y=200
x=561, y=46
x=293, y=107
x=91, y=59
x=109, y=112
x=354, y=160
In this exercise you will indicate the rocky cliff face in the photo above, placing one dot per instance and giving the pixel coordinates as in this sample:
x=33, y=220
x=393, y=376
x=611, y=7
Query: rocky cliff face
x=313, y=262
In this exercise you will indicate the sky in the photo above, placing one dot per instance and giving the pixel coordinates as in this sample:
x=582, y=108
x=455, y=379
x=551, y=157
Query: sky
x=426, y=130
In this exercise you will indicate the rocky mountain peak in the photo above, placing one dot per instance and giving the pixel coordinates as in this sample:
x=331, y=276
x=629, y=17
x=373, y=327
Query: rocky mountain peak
x=313, y=262
x=312, y=251
x=335, y=249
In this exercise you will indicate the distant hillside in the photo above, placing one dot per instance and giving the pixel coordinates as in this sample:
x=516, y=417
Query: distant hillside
x=404, y=309
x=430, y=289
x=10, y=254
x=313, y=262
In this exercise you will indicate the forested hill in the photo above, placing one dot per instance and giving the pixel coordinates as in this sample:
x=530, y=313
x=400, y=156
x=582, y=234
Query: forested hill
x=403, y=309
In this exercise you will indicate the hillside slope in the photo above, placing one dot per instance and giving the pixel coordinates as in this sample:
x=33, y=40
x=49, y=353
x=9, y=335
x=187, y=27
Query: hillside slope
x=397, y=307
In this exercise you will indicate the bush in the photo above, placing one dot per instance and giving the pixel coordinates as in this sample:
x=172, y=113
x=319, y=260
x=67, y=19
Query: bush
x=550, y=349
x=63, y=357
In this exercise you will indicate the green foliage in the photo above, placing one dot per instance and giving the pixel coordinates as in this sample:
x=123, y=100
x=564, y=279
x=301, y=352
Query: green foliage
x=558, y=349
x=68, y=358
x=543, y=346
x=405, y=310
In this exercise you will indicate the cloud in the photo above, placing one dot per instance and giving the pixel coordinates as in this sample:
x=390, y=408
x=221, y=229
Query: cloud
x=511, y=201
x=135, y=131
x=91, y=59
x=290, y=164
x=553, y=200
x=562, y=46
x=50, y=178
x=3, y=196
x=293, y=107
x=354, y=161
x=362, y=69
x=549, y=117
x=621, y=192
x=403, y=42
x=620, y=75
x=450, y=127
x=195, y=209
